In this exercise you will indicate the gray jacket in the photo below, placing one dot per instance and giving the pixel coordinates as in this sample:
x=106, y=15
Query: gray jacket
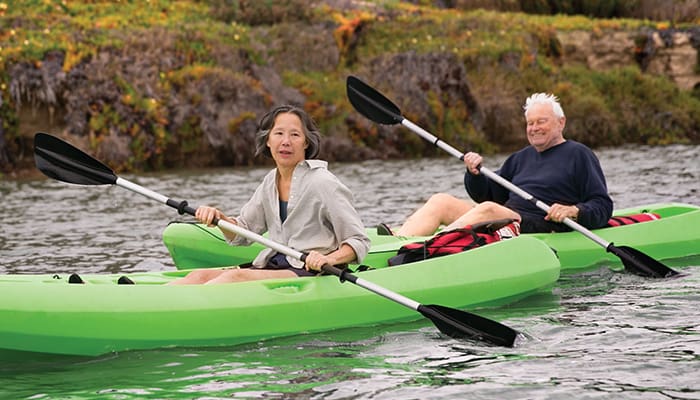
x=320, y=214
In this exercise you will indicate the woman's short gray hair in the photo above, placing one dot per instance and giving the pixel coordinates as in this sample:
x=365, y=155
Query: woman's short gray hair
x=544, y=98
x=313, y=136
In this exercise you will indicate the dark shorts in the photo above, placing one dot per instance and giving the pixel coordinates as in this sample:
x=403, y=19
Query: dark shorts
x=538, y=224
x=279, y=261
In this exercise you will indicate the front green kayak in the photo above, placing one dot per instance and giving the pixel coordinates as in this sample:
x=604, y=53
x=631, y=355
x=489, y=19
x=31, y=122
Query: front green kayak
x=676, y=234
x=46, y=314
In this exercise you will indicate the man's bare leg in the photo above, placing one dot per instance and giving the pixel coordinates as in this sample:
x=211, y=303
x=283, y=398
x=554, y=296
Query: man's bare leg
x=482, y=212
x=440, y=209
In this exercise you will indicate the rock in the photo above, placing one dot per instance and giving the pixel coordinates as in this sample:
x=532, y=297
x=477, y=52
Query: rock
x=667, y=53
x=423, y=86
x=678, y=60
x=598, y=51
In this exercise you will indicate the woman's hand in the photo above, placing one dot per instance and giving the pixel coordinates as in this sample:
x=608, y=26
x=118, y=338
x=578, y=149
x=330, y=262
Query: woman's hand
x=207, y=215
x=315, y=260
x=210, y=215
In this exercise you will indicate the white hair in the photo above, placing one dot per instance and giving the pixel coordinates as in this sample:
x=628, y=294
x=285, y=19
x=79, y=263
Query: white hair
x=544, y=98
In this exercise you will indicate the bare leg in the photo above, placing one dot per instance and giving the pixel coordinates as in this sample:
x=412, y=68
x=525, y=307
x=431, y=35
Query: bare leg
x=212, y=276
x=198, y=276
x=250, y=274
x=440, y=209
x=482, y=212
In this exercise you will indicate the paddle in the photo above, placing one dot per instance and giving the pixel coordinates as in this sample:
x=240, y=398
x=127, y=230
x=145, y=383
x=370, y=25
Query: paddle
x=60, y=160
x=376, y=107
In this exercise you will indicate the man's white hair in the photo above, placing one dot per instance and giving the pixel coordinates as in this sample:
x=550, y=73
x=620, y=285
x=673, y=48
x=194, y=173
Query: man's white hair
x=544, y=98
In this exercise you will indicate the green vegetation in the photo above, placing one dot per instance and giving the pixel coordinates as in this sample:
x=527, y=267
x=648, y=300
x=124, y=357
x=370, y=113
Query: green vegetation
x=187, y=46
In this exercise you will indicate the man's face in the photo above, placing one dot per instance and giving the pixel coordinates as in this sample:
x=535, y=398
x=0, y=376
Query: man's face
x=544, y=129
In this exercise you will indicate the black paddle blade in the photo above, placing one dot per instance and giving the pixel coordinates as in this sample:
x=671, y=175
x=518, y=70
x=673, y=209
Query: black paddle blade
x=641, y=264
x=64, y=162
x=461, y=324
x=372, y=104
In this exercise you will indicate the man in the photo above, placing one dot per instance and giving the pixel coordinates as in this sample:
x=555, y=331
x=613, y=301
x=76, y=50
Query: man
x=562, y=173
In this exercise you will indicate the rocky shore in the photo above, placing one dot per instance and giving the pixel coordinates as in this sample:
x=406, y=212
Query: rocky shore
x=156, y=97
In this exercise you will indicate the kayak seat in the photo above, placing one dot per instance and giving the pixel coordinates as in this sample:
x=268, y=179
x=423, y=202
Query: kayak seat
x=632, y=219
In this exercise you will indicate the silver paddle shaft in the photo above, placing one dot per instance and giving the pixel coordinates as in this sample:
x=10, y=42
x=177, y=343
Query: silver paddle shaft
x=271, y=244
x=502, y=181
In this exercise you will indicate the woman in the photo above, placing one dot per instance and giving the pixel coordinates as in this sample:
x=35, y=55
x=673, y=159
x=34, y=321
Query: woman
x=299, y=203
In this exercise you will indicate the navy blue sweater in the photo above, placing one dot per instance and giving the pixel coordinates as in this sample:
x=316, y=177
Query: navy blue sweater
x=568, y=174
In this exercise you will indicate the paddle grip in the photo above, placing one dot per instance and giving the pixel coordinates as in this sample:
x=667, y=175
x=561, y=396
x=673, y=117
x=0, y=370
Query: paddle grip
x=342, y=274
x=181, y=207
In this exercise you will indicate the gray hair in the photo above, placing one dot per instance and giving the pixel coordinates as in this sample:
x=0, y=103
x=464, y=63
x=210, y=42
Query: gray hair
x=267, y=122
x=544, y=98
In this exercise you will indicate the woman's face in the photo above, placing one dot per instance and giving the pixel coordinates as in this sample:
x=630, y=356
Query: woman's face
x=287, y=141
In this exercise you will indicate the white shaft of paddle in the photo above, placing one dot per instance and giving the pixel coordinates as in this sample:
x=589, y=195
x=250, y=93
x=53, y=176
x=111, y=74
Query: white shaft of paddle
x=223, y=224
x=387, y=294
x=269, y=243
x=141, y=190
x=260, y=239
x=502, y=181
x=298, y=255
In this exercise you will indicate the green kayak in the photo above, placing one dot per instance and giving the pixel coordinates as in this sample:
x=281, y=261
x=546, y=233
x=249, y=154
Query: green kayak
x=46, y=314
x=676, y=234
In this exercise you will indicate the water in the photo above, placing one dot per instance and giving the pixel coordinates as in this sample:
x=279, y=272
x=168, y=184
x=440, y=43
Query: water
x=597, y=335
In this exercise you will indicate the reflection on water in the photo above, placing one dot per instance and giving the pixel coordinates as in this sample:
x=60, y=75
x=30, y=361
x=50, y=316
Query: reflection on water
x=597, y=334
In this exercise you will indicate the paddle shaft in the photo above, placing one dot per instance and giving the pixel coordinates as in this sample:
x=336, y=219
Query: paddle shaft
x=60, y=160
x=183, y=208
x=453, y=322
x=450, y=321
x=503, y=182
x=375, y=106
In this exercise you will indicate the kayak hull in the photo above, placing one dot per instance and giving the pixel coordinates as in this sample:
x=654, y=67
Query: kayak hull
x=46, y=314
x=675, y=235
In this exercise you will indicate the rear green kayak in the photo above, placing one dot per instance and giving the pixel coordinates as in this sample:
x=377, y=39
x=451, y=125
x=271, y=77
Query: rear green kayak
x=46, y=314
x=676, y=234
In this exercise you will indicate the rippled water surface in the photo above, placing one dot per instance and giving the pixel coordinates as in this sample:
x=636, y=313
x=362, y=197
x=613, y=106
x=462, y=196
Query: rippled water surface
x=598, y=334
